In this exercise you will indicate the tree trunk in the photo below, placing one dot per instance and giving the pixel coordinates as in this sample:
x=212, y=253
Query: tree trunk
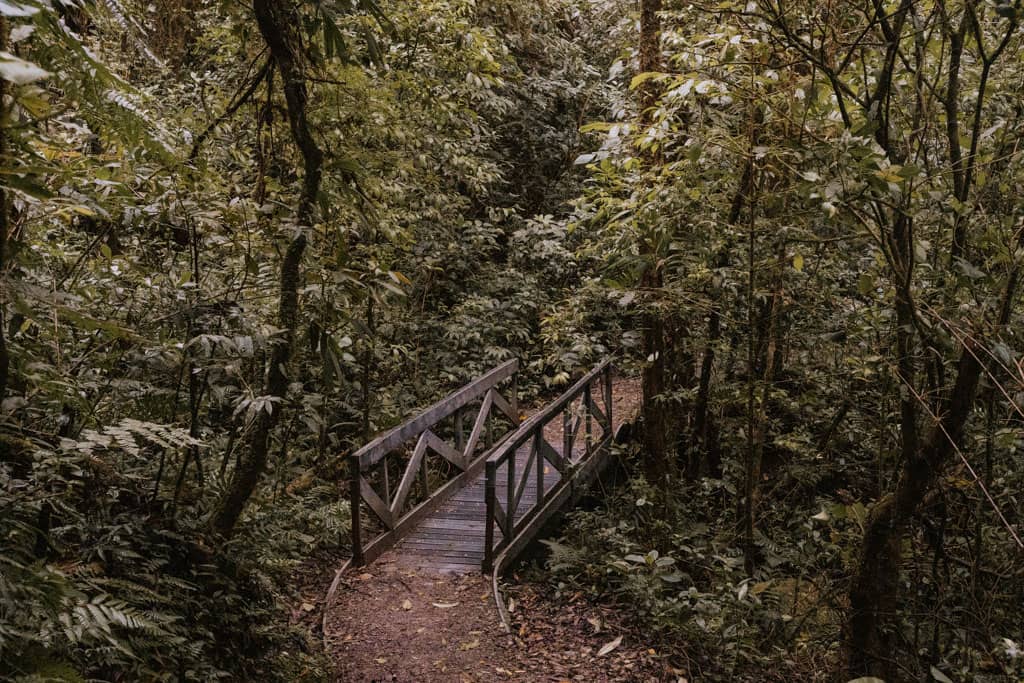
x=5, y=227
x=653, y=380
x=278, y=21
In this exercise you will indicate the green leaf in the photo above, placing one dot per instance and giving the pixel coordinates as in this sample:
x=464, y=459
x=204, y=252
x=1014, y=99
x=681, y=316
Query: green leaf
x=798, y=263
x=16, y=9
x=640, y=79
x=25, y=186
x=939, y=676
x=865, y=284
x=18, y=71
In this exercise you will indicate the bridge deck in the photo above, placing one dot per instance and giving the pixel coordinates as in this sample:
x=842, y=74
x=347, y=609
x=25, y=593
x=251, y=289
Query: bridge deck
x=452, y=538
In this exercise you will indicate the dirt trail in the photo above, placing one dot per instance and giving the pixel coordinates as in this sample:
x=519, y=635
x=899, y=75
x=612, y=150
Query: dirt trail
x=395, y=624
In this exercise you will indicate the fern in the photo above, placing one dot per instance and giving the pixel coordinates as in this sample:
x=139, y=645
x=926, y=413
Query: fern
x=127, y=435
x=133, y=29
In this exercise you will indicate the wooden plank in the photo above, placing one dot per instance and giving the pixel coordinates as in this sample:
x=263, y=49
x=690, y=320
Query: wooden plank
x=560, y=464
x=442, y=448
x=459, y=525
x=602, y=419
x=371, y=453
x=539, y=489
x=478, y=426
x=447, y=534
x=442, y=545
x=499, y=514
x=443, y=554
x=504, y=406
x=524, y=478
x=379, y=507
x=445, y=549
x=411, y=470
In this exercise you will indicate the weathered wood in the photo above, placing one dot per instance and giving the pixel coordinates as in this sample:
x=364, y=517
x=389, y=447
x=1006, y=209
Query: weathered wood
x=454, y=528
x=460, y=435
x=425, y=533
x=608, y=400
x=524, y=478
x=421, y=512
x=442, y=448
x=537, y=439
x=389, y=509
x=587, y=404
x=379, y=507
x=499, y=515
x=504, y=406
x=510, y=488
x=355, y=494
x=373, y=452
x=511, y=520
x=570, y=491
x=551, y=455
x=596, y=411
x=411, y=470
x=478, y=426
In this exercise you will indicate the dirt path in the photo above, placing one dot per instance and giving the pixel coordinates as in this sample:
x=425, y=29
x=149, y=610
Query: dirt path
x=395, y=623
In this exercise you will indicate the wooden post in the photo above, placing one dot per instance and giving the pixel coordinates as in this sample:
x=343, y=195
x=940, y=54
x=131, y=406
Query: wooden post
x=514, y=402
x=608, y=398
x=423, y=476
x=537, y=437
x=587, y=403
x=490, y=429
x=355, y=496
x=490, y=494
x=510, y=495
x=567, y=437
x=460, y=437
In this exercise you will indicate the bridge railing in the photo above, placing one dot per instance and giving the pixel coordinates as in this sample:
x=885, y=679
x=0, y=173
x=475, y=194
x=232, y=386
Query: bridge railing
x=392, y=502
x=506, y=483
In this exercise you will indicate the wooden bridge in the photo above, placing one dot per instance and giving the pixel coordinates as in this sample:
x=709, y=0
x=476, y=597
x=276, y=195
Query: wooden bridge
x=452, y=494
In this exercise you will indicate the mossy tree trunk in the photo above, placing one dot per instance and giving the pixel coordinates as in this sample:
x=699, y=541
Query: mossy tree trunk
x=278, y=21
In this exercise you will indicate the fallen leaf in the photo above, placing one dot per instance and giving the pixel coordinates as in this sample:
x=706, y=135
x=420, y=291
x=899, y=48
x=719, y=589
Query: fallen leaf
x=511, y=605
x=444, y=605
x=470, y=645
x=308, y=607
x=595, y=622
x=365, y=577
x=407, y=605
x=608, y=647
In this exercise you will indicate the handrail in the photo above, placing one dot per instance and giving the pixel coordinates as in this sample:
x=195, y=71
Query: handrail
x=390, y=506
x=532, y=432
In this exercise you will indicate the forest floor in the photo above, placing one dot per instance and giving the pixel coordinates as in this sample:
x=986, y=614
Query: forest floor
x=399, y=624
x=396, y=624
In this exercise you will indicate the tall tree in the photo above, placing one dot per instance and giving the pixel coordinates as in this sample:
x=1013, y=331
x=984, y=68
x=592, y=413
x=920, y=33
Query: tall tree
x=278, y=21
x=655, y=421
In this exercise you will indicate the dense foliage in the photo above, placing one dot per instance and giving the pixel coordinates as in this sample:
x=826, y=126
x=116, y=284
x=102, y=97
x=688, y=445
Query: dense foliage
x=236, y=241
x=814, y=206
x=151, y=178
